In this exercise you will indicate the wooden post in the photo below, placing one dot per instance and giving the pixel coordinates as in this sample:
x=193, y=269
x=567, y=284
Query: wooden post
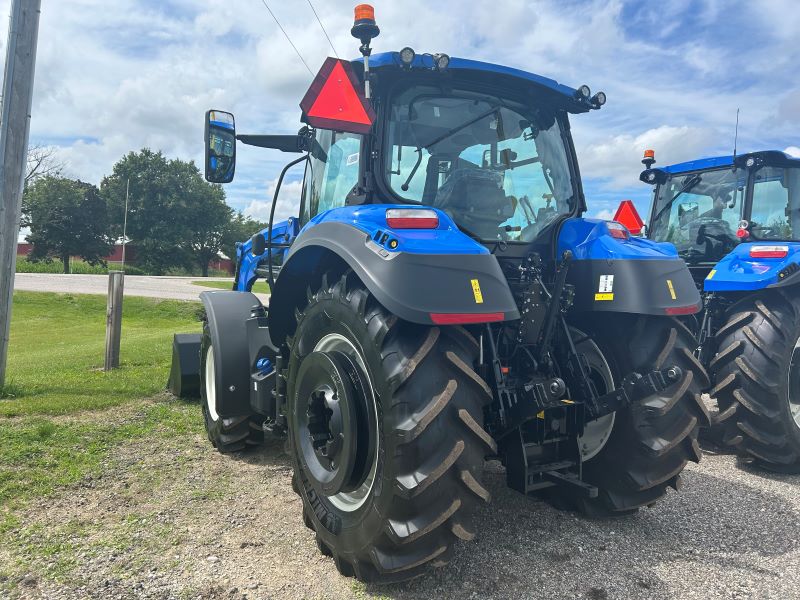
x=14, y=128
x=116, y=284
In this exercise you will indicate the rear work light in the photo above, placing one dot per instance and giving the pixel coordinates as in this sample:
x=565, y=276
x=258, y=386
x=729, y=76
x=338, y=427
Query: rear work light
x=617, y=230
x=769, y=251
x=412, y=218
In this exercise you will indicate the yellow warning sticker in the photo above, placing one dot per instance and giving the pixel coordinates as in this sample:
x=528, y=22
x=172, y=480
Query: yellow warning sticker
x=711, y=274
x=598, y=297
x=540, y=414
x=476, y=291
x=671, y=289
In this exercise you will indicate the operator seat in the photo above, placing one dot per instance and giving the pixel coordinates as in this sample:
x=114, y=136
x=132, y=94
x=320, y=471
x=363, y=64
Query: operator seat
x=475, y=198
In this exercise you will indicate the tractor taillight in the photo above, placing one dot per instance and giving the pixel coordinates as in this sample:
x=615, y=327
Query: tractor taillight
x=681, y=310
x=466, y=318
x=769, y=251
x=412, y=218
x=617, y=230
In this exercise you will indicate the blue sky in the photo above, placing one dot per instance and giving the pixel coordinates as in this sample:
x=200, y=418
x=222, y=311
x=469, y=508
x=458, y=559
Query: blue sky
x=117, y=76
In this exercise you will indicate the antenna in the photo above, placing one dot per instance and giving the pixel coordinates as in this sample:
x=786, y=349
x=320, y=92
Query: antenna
x=323, y=28
x=264, y=2
x=736, y=135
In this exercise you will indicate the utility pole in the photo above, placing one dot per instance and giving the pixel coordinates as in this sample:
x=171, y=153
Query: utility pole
x=14, y=128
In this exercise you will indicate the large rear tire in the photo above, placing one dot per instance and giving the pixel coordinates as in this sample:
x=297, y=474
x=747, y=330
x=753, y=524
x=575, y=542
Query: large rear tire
x=757, y=380
x=227, y=434
x=650, y=442
x=413, y=495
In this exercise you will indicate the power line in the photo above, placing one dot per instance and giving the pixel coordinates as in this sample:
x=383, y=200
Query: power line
x=300, y=56
x=323, y=28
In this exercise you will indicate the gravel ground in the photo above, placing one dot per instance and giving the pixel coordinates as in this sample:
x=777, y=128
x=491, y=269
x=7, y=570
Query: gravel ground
x=175, y=519
x=175, y=288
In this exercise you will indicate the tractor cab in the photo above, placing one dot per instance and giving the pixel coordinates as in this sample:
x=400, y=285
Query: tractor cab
x=708, y=207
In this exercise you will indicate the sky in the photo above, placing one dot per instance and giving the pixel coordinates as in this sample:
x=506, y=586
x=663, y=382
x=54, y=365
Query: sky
x=114, y=77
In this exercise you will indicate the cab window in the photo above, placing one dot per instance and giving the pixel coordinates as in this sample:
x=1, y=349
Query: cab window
x=331, y=173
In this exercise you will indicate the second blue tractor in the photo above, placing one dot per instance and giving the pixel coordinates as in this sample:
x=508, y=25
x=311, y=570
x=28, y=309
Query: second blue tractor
x=735, y=220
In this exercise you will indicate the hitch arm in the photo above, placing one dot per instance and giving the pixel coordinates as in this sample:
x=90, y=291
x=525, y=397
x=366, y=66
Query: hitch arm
x=635, y=387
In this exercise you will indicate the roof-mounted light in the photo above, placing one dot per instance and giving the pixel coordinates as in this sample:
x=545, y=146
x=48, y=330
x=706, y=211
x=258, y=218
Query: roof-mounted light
x=407, y=56
x=442, y=61
x=648, y=161
x=583, y=92
x=599, y=99
x=750, y=162
x=412, y=218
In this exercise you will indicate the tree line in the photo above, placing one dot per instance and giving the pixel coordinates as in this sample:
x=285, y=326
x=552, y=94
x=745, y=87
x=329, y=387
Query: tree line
x=175, y=219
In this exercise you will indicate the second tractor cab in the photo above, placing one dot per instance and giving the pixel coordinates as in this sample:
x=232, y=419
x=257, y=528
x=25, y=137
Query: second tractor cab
x=437, y=299
x=736, y=222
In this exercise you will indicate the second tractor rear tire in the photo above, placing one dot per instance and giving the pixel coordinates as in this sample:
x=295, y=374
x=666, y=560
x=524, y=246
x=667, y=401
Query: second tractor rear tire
x=414, y=497
x=757, y=380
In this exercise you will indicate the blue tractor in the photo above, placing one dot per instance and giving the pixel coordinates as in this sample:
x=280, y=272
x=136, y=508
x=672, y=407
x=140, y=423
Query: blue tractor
x=735, y=220
x=439, y=299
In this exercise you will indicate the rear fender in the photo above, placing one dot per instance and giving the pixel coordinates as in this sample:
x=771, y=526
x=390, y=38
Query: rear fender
x=633, y=275
x=739, y=272
x=414, y=274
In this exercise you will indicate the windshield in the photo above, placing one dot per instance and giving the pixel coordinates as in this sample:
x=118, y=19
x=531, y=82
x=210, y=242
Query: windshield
x=699, y=213
x=775, y=213
x=498, y=169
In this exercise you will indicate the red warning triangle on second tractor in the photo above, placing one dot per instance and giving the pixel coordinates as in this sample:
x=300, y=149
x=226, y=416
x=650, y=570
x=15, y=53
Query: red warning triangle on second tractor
x=333, y=101
x=628, y=215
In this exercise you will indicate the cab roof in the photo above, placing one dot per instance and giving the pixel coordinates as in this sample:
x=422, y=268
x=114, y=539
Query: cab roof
x=717, y=162
x=425, y=61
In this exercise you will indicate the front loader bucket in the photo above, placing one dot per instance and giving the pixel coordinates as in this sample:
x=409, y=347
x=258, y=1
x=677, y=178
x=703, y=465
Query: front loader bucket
x=184, y=376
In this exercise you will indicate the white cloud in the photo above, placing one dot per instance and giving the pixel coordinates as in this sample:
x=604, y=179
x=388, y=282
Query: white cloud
x=793, y=151
x=617, y=160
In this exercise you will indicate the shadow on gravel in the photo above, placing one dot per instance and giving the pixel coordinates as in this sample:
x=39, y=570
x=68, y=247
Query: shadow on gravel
x=526, y=549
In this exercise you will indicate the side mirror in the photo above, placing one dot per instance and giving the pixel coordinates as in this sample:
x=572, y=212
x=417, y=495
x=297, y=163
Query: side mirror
x=258, y=244
x=220, y=145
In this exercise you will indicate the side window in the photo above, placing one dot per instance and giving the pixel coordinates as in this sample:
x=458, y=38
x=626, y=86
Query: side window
x=770, y=214
x=331, y=173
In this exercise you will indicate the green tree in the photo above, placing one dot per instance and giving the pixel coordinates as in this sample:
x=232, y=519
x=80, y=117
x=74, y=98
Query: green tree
x=66, y=218
x=175, y=218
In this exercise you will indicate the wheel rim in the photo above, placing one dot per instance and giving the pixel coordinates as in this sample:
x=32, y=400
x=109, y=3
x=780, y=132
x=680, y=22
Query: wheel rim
x=353, y=500
x=793, y=386
x=211, y=384
x=596, y=433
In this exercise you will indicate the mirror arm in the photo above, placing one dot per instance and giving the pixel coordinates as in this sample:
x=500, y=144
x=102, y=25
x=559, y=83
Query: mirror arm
x=284, y=143
x=272, y=216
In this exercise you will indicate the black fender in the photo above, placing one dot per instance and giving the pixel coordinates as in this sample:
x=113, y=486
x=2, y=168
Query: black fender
x=410, y=286
x=227, y=313
x=645, y=287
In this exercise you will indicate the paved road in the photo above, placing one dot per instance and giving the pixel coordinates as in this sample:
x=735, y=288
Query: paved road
x=175, y=288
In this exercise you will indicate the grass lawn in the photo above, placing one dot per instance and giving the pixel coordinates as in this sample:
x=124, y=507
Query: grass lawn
x=259, y=287
x=59, y=413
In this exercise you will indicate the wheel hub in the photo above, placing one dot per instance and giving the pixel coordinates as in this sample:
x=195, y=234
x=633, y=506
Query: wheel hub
x=333, y=433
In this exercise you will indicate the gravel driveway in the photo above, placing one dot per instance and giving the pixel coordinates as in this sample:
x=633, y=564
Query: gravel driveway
x=176, y=288
x=174, y=519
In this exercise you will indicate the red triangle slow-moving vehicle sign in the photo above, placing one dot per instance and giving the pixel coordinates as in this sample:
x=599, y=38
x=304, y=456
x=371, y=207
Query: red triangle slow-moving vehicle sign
x=628, y=215
x=335, y=100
